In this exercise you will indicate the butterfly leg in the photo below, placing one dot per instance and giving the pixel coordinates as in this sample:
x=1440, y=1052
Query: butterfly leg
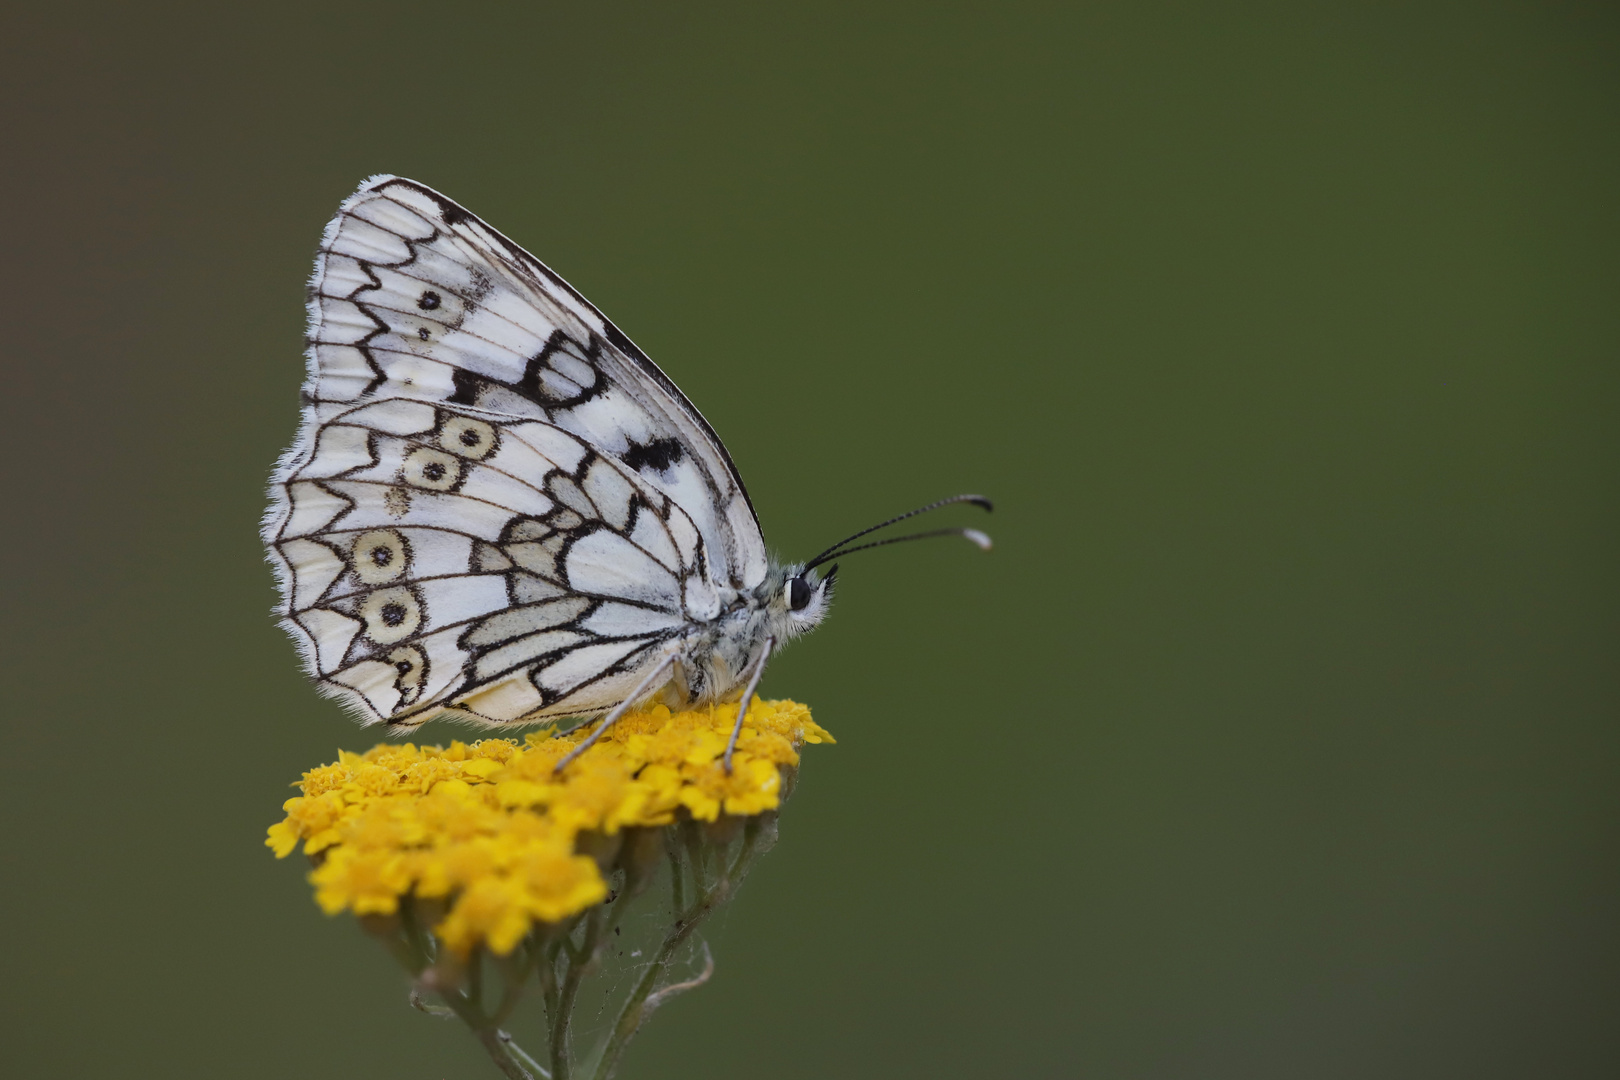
x=619, y=710
x=748, y=696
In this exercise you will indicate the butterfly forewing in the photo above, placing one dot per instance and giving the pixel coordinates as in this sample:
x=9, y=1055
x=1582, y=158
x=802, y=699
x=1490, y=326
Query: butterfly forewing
x=496, y=505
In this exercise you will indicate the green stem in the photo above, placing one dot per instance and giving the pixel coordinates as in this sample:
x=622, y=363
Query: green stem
x=578, y=961
x=519, y=1053
x=432, y=1010
x=421, y=944
x=634, y=1013
x=677, y=874
x=630, y=1016
x=412, y=948
x=475, y=980
x=550, y=950
x=694, y=855
x=500, y=1047
x=466, y=1009
x=745, y=854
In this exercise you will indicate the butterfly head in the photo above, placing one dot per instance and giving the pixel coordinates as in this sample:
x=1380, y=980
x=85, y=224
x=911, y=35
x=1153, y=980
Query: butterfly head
x=797, y=598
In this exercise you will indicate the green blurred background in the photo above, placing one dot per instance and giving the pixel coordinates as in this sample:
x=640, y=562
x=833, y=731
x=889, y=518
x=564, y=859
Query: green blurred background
x=1276, y=738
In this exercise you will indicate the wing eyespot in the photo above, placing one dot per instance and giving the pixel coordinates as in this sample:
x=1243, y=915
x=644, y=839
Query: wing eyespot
x=431, y=469
x=391, y=615
x=468, y=438
x=380, y=556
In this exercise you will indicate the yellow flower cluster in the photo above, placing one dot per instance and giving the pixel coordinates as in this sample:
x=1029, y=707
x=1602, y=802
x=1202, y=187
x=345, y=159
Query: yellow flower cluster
x=490, y=828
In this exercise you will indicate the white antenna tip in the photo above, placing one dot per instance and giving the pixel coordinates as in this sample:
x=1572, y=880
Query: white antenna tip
x=978, y=538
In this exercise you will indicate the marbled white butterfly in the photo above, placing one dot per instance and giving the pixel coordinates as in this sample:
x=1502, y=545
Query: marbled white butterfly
x=497, y=508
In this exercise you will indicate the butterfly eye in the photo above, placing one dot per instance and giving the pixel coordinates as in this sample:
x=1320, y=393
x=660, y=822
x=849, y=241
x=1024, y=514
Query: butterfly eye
x=798, y=594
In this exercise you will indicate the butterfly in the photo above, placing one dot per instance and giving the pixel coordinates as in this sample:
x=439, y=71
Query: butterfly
x=497, y=508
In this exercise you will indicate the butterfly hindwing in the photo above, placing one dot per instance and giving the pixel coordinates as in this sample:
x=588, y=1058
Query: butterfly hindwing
x=436, y=559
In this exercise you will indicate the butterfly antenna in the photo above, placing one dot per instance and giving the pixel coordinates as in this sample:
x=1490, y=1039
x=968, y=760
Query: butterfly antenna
x=974, y=535
x=832, y=552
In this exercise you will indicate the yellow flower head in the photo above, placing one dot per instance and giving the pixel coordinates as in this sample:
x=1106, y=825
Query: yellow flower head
x=492, y=911
x=368, y=882
x=491, y=826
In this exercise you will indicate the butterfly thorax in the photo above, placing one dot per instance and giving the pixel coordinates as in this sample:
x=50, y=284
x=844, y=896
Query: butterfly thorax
x=716, y=658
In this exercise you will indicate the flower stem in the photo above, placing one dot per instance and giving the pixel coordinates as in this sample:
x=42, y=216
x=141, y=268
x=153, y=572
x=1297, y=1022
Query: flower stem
x=412, y=948
x=548, y=975
x=578, y=961
x=518, y=1052
x=500, y=1047
x=475, y=981
x=632, y=1014
x=677, y=875
x=638, y=1007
